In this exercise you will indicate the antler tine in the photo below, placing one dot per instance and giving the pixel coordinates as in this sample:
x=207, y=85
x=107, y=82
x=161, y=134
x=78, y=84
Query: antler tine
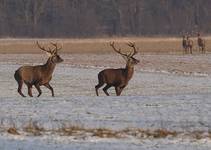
x=132, y=44
x=116, y=50
x=56, y=46
x=43, y=48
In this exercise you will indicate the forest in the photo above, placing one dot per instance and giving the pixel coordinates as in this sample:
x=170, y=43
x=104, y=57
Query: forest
x=103, y=18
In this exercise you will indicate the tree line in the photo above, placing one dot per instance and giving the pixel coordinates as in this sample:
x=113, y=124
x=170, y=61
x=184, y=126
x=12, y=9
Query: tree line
x=94, y=18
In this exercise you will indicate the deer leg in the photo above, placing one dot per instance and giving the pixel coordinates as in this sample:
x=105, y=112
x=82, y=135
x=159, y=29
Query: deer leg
x=50, y=88
x=203, y=49
x=20, y=84
x=97, y=87
x=191, y=50
x=200, y=49
x=119, y=90
x=38, y=89
x=106, y=88
x=29, y=90
x=185, y=51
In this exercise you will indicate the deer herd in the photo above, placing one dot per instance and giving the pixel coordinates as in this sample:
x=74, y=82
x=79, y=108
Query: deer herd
x=41, y=75
x=187, y=44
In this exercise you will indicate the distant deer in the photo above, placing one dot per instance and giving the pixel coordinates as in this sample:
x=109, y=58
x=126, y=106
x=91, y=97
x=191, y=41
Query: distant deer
x=118, y=78
x=185, y=44
x=189, y=45
x=38, y=75
x=201, y=43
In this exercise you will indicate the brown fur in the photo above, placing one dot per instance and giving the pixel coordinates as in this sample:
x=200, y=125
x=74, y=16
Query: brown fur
x=117, y=78
x=189, y=45
x=184, y=44
x=201, y=44
x=37, y=75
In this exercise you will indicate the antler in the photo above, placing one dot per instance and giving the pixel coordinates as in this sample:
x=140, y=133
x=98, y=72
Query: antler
x=134, y=49
x=43, y=48
x=56, y=47
x=51, y=51
x=117, y=50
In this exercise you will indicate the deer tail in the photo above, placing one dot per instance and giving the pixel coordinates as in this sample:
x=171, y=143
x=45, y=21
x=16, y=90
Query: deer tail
x=17, y=75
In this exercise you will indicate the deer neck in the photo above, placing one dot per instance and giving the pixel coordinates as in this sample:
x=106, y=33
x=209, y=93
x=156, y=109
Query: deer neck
x=49, y=67
x=129, y=70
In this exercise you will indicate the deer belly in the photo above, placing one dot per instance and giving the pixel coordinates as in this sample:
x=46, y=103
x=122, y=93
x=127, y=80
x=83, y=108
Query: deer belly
x=45, y=81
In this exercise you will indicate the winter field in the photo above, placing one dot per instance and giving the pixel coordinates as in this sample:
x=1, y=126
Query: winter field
x=166, y=106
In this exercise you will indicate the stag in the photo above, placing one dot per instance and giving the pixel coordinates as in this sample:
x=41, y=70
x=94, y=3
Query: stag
x=38, y=75
x=118, y=78
x=201, y=43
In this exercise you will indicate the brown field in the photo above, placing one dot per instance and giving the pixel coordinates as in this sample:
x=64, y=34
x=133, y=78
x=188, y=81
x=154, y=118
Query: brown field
x=145, y=45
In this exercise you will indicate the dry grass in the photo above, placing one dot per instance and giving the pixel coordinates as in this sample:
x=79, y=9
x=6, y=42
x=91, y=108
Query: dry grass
x=77, y=130
x=70, y=130
x=147, y=133
x=13, y=130
x=33, y=128
x=145, y=45
x=197, y=135
x=106, y=133
x=161, y=133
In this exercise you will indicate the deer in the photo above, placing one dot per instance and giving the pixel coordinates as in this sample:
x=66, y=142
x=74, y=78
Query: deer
x=39, y=75
x=189, y=45
x=118, y=78
x=201, y=43
x=184, y=44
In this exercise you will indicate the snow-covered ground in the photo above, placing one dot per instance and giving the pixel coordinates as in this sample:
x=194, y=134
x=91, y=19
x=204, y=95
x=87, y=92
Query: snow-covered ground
x=159, y=96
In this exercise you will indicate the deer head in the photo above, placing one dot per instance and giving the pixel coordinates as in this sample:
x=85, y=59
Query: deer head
x=130, y=60
x=184, y=37
x=52, y=52
x=198, y=34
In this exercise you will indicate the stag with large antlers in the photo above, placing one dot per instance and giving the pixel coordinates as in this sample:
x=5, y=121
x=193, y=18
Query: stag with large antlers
x=38, y=75
x=118, y=78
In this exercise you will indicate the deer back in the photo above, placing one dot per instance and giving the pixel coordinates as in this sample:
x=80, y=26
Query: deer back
x=114, y=76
